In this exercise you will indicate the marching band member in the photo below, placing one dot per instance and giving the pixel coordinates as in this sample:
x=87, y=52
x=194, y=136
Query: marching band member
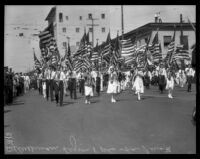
x=138, y=85
x=112, y=83
x=170, y=84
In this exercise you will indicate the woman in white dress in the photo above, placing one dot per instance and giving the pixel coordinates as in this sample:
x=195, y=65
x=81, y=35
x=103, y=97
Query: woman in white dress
x=88, y=87
x=138, y=84
x=112, y=84
x=182, y=78
x=170, y=84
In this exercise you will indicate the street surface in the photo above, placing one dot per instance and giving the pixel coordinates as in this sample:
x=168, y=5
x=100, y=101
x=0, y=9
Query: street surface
x=154, y=125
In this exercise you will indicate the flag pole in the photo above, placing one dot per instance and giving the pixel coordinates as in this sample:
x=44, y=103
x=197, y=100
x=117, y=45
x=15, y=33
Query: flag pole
x=122, y=21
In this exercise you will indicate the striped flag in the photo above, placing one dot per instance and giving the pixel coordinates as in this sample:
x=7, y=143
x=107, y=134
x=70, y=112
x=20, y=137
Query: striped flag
x=67, y=58
x=36, y=61
x=116, y=52
x=107, y=50
x=181, y=53
x=171, y=48
x=95, y=54
x=156, y=49
x=128, y=48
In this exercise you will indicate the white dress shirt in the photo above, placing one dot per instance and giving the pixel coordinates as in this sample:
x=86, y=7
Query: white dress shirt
x=53, y=74
x=62, y=76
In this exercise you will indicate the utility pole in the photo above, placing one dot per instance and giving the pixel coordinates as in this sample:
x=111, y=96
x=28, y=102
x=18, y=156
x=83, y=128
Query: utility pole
x=122, y=21
x=92, y=19
x=97, y=40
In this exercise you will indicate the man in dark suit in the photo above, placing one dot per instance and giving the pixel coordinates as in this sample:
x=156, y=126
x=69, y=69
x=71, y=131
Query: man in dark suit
x=98, y=83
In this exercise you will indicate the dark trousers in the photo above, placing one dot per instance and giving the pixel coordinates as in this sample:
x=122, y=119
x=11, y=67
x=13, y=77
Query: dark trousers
x=56, y=89
x=40, y=86
x=81, y=87
x=10, y=95
x=61, y=92
x=47, y=88
x=73, y=89
x=51, y=88
x=189, y=81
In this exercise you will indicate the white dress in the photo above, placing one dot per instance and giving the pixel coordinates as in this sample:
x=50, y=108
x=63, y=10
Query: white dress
x=170, y=83
x=112, y=85
x=88, y=87
x=138, y=85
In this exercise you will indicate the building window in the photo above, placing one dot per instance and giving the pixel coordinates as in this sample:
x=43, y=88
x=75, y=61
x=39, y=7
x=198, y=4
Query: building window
x=167, y=40
x=80, y=17
x=90, y=29
x=185, y=42
x=103, y=30
x=103, y=16
x=77, y=43
x=64, y=30
x=60, y=17
x=67, y=18
x=77, y=30
x=64, y=44
x=90, y=15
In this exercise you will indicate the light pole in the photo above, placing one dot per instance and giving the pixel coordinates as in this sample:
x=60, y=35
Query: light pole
x=92, y=19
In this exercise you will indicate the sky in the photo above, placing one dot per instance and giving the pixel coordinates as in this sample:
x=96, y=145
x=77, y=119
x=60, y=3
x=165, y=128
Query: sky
x=18, y=51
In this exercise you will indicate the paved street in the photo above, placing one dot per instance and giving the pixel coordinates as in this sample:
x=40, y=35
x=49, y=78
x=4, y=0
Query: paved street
x=156, y=124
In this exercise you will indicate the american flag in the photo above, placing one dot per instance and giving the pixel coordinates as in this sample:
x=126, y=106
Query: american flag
x=181, y=53
x=128, y=48
x=156, y=49
x=85, y=47
x=95, y=54
x=171, y=48
x=67, y=58
x=48, y=45
x=107, y=49
x=36, y=61
x=116, y=53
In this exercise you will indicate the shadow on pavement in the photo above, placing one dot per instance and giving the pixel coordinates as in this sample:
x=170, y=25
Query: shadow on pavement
x=147, y=97
x=94, y=101
x=17, y=103
x=121, y=100
x=67, y=103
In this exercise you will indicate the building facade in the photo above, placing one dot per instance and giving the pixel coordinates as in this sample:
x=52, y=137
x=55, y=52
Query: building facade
x=165, y=33
x=70, y=22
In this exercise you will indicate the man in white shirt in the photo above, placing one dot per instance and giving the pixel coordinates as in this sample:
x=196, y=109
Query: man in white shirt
x=190, y=75
x=52, y=77
x=61, y=85
x=47, y=76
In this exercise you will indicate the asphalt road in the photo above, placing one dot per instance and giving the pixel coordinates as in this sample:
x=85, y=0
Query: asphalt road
x=154, y=125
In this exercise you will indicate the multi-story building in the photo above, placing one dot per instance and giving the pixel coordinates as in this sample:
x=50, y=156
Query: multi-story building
x=70, y=22
x=165, y=34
